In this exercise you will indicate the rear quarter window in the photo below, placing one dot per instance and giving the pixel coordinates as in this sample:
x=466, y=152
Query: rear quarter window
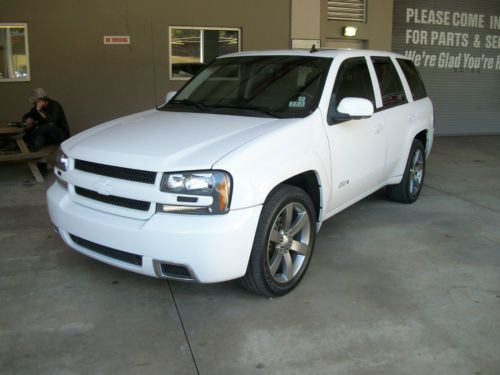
x=413, y=77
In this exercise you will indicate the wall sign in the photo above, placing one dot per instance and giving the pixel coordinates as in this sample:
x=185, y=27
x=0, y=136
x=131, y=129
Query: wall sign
x=116, y=39
x=456, y=46
x=477, y=33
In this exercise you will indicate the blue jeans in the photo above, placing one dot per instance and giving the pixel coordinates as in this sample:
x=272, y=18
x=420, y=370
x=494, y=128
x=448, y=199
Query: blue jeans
x=43, y=135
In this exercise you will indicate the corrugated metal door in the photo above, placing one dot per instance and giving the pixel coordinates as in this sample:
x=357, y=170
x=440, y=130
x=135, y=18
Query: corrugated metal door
x=456, y=47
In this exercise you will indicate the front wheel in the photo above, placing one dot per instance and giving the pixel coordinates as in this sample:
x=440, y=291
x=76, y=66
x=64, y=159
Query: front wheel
x=408, y=190
x=283, y=243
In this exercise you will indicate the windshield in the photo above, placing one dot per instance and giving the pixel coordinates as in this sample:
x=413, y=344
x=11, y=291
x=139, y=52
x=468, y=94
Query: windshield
x=271, y=86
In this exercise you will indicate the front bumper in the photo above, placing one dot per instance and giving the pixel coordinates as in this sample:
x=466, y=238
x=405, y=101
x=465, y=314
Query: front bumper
x=212, y=247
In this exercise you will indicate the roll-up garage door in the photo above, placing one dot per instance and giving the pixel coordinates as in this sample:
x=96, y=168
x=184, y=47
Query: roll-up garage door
x=456, y=46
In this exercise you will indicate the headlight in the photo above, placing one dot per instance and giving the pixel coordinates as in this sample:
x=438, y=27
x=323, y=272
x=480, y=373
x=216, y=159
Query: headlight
x=215, y=184
x=61, y=160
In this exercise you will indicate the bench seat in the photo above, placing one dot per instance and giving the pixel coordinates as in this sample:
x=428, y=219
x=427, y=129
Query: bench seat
x=20, y=157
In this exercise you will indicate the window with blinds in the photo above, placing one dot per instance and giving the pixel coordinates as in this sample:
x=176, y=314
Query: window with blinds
x=348, y=10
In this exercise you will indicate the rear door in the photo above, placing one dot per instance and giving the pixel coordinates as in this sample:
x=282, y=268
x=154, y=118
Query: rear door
x=422, y=111
x=396, y=111
x=357, y=147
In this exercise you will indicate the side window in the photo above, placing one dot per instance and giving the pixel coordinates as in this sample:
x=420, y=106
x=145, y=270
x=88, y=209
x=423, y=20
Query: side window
x=413, y=77
x=353, y=80
x=390, y=84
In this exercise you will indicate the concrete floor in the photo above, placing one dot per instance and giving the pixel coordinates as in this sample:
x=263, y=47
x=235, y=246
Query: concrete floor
x=392, y=289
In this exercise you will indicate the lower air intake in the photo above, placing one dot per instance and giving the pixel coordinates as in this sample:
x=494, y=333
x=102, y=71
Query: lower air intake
x=108, y=251
x=175, y=271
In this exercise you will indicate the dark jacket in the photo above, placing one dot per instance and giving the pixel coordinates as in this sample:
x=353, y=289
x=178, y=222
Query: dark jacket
x=54, y=113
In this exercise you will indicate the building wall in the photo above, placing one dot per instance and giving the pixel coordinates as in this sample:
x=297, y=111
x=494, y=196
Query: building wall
x=97, y=82
x=376, y=33
x=306, y=19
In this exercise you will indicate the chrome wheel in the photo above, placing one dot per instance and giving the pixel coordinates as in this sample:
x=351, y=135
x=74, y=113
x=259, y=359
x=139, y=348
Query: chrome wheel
x=288, y=244
x=416, y=172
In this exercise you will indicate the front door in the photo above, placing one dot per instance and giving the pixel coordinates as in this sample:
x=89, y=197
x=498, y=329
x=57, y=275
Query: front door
x=357, y=147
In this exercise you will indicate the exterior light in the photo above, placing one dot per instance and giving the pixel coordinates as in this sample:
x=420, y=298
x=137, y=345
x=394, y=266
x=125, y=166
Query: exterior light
x=350, y=31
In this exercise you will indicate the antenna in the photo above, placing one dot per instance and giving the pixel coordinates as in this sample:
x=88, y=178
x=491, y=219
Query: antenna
x=313, y=49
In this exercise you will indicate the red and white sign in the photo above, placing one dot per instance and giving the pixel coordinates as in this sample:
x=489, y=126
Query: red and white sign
x=116, y=39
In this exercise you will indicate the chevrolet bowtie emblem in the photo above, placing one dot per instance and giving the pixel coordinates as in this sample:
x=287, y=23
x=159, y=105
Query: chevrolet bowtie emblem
x=103, y=187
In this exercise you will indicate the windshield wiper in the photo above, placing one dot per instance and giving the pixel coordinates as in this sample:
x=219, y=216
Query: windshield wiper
x=248, y=107
x=201, y=106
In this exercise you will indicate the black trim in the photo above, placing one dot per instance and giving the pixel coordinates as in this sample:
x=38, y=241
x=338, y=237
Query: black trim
x=177, y=271
x=122, y=173
x=108, y=251
x=187, y=199
x=114, y=200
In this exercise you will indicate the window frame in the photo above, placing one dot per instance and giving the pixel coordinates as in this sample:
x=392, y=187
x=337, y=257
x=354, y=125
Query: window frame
x=26, y=40
x=170, y=28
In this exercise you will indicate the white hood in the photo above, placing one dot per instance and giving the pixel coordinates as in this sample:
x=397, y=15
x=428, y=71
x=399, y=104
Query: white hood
x=167, y=141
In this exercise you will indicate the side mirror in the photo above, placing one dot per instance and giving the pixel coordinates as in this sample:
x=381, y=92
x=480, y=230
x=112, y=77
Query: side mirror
x=355, y=108
x=169, y=96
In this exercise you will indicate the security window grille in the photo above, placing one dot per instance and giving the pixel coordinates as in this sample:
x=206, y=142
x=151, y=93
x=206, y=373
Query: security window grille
x=348, y=10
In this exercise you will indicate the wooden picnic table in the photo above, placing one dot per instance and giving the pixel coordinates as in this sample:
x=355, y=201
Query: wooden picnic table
x=12, y=133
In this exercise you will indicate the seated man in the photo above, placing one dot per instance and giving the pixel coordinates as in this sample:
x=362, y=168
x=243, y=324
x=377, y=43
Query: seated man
x=47, y=124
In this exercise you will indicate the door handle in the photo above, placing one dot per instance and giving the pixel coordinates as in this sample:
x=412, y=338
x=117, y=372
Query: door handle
x=378, y=129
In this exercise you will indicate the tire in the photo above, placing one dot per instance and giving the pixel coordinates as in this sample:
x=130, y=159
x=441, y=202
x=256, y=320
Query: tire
x=283, y=244
x=408, y=190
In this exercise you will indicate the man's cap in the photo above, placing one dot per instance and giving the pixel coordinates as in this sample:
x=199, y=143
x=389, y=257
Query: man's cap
x=37, y=94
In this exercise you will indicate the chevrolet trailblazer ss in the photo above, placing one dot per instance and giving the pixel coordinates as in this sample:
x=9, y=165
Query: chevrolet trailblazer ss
x=234, y=174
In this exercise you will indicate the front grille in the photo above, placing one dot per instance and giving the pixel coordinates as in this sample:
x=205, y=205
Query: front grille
x=112, y=199
x=108, y=251
x=173, y=270
x=129, y=174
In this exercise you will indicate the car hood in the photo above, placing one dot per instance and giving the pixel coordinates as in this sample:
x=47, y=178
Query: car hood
x=165, y=141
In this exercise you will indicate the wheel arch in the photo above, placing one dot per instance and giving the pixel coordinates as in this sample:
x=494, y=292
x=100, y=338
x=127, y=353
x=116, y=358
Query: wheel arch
x=423, y=136
x=310, y=182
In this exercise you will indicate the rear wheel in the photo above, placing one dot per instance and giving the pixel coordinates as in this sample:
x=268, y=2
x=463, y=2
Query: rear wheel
x=283, y=243
x=408, y=190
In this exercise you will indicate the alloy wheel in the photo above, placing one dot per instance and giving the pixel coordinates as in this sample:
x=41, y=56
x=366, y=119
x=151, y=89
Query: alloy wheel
x=288, y=244
x=416, y=172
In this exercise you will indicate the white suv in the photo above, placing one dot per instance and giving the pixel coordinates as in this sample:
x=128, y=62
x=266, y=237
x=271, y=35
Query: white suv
x=233, y=176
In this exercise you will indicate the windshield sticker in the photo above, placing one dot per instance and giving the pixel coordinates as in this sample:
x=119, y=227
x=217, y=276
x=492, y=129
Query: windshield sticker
x=299, y=103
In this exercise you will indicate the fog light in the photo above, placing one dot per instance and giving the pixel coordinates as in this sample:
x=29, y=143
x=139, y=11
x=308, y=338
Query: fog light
x=171, y=208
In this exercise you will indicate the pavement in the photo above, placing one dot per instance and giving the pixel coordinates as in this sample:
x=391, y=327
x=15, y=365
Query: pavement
x=391, y=289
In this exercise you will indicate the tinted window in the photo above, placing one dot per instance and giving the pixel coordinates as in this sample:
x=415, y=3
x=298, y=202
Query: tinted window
x=413, y=77
x=276, y=86
x=353, y=80
x=390, y=85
